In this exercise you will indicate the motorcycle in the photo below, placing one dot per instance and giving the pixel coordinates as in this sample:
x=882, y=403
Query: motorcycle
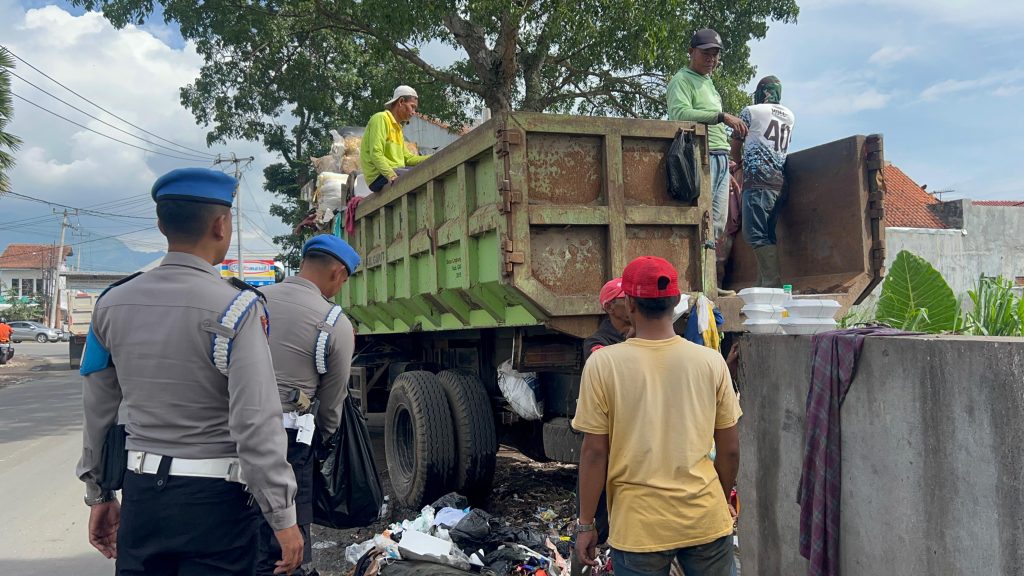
x=6, y=353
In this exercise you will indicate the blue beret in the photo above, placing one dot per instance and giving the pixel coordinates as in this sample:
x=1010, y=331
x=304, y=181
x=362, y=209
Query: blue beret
x=333, y=246
x=196, y=185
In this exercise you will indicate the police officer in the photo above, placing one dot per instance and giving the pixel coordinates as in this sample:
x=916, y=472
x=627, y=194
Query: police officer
x=312, y=345
x=184, y=354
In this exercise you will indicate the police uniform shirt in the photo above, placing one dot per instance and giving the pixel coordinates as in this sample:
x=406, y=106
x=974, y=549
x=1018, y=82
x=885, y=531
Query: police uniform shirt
x=158, y=329
x=299, y=312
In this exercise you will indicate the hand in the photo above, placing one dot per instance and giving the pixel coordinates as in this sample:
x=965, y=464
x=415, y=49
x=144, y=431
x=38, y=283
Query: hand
x=733, y=360
x=736, y=124
x=393, y=178
x=103, y=522
x=732, y=511
x=586, y=547
x=291, y=543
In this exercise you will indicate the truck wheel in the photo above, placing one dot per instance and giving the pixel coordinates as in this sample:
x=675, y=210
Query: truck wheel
x=475, y=439
x=561, y=442
x=418, y=438
x=41, y=338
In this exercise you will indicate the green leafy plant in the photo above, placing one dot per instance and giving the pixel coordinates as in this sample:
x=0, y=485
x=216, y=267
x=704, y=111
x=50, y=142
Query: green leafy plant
x=21, y=308
x=857, y=316
x=997, y=310
x=916, y=297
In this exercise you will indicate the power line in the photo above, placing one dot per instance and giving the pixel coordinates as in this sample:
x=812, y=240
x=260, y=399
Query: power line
x=52, y=248
x=204, y=158
x=83, y=210
x=27, y=101
x=55, y=81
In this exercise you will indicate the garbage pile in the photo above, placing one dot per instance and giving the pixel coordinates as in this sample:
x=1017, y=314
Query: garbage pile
x=451, y=538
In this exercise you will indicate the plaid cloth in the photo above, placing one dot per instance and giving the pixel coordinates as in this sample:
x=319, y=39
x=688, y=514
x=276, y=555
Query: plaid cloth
x=832, y=371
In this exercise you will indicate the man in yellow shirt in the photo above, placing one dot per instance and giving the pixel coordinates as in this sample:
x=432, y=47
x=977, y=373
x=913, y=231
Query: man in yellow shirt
x=383, y=154
x=651, y=408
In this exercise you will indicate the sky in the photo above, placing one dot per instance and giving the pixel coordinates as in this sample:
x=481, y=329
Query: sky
x=940, y=79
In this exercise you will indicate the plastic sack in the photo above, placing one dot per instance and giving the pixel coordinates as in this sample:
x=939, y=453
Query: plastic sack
x=451, y=500
x=354, y=552
x=346, y=485
x=683, y=166
x=519, y=389
x=328, y=163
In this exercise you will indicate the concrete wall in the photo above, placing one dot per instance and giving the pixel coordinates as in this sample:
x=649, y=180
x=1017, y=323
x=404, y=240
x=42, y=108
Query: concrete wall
x=991, y=242
x=932, y=456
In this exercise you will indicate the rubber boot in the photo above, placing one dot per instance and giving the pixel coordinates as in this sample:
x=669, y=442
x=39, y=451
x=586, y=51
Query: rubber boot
x=768, y=266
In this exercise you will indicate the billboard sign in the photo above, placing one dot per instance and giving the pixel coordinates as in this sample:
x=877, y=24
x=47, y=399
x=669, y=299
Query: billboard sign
x=257, y=272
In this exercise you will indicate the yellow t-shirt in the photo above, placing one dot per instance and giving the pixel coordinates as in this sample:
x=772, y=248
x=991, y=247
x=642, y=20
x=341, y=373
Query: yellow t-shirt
x=660, y=402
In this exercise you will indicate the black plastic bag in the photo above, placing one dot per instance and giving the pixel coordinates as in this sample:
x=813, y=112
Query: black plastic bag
x=473, y=531
x=683, y=165
x=451, y=500
x=346, y=486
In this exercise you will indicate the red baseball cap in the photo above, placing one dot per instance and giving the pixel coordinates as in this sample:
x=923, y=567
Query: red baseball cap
x=611, y=290
x=650, y=277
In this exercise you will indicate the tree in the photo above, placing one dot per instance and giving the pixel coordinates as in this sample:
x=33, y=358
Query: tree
x=9, y=143
x=21, y=308
x=285, y=71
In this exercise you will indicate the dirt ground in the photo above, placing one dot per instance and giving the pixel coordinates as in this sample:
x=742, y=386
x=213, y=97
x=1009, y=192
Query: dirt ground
x=523, y=489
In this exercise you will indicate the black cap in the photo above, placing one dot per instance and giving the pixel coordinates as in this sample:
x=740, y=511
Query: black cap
x=706, y=38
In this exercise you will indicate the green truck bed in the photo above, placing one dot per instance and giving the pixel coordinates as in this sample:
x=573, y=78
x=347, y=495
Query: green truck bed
x=521, y=221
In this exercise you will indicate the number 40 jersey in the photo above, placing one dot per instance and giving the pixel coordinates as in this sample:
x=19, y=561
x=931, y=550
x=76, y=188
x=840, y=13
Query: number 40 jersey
x=770, y=127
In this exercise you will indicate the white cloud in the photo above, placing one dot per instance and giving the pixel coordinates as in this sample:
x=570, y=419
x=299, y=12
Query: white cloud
x=888, y=55
x=836, y=94
x=999, y=84
x=132, y=72
x=991, y=14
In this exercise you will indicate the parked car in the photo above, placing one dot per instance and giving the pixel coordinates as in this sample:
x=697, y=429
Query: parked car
x=26, y=330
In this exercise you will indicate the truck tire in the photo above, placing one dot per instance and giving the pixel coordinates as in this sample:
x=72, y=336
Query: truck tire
x=476, y=441
x=561, y=442
x=418, y=440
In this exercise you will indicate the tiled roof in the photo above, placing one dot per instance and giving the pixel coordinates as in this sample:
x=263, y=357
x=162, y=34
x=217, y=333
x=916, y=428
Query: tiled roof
x=1019, y=203
x=30, y=256
x=906, y=203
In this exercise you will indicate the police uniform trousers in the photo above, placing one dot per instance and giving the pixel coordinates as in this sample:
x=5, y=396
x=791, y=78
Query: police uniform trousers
x=178, y=525
x=300, y=456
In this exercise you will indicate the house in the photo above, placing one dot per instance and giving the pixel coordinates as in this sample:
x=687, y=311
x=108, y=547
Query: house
x=28, y=269
x=963, y=239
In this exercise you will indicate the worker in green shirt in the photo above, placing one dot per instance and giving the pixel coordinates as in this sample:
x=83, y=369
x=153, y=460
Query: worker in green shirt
x=692, y=97
x=383, y=154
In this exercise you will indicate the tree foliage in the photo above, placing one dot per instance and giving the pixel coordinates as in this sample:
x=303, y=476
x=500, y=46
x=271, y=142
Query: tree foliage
x=9, y=143
x=286, y=71
x=20, y=309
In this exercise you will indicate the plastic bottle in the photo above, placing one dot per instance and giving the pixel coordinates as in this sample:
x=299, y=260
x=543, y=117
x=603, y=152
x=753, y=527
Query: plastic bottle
x=788, y=289
x=384, y=508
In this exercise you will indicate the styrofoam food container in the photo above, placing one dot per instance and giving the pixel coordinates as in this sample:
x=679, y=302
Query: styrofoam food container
x=768, y=296
x=762, y=311
x=810, y=308
x=796, y=325
x=763, y=326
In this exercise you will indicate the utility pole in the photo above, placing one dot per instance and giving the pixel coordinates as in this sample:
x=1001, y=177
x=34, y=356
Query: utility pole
x=64, y=225
x=238, y=204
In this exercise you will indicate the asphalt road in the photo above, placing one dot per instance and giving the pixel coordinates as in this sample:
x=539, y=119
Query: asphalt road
x=44, y=527
x=44, y=520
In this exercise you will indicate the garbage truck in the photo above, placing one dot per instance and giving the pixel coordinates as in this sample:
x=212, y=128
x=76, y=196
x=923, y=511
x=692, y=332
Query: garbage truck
x=482, y=267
